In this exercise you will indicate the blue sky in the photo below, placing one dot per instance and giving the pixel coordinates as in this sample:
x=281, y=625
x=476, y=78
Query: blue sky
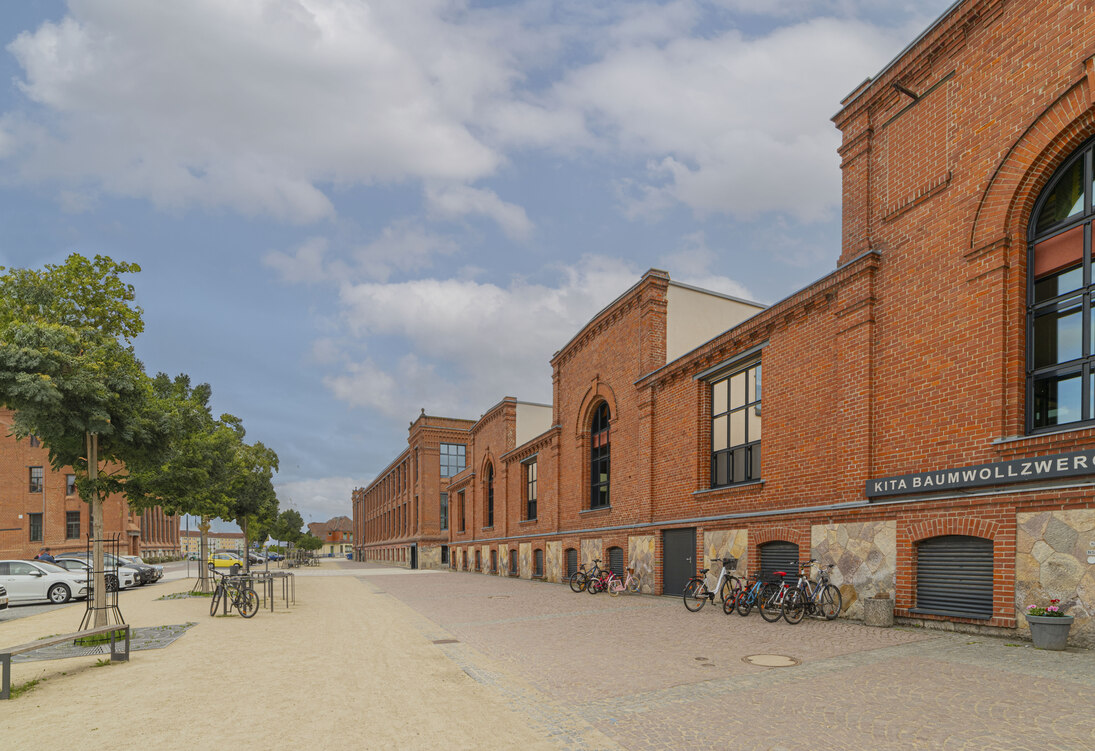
x=348, y=211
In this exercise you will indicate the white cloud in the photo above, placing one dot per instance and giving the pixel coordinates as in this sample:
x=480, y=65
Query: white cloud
x=455, y=201
x=693, y=263
x=305, y=265
x=470, y=342
x=318, y=499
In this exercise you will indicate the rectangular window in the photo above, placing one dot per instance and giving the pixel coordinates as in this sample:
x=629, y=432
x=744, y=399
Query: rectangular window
x=453, y=459
x=444, y=511
x=72, y=525
x=530, y=489
x=35, y=527
x=70, y=484
x=36, y=480
x=34, y=442
x=463, y=518
x=736, y=427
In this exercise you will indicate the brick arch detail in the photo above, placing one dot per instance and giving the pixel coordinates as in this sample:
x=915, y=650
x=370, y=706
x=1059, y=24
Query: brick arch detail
x=787, y=534
x=598, y=392
x=983, y=528
x=1031, y=161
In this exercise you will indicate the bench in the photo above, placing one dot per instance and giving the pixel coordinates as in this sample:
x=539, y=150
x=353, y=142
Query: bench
x=115, y=655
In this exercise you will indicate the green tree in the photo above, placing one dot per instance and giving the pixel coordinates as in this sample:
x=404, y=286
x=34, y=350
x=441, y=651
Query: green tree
x=198, y=472
x=309, y=542
x=68, y=371
x=254, y=499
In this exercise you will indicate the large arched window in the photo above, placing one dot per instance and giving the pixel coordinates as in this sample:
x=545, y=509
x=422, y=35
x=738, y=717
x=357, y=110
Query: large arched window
x=489, y=491
x=599, y=457
x=1060, y=331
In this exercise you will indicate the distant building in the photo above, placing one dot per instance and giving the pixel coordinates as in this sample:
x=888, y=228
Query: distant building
x=191, y=541
x=337, y=535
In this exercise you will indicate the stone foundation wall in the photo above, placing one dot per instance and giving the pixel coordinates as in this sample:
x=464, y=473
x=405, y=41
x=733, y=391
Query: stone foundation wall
x=1055, y=559
x=723, y=542
x=640, y=556
x=429, y=557
x=865, y=555
x=591, y=549
x=553, y=562
x=524, y=552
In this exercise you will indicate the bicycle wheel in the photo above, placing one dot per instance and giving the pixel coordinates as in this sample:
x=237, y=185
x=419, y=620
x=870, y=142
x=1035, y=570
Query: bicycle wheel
x=634, y=586
x=578, y=582
x=695, y=595
x=730, y=590
x=744, y=605
x=728, y=605
x=615, y=586
x=593, y=585
x=215, y=600
x=829, y=602
x=771, y=606
x=248, y=603
x=794, y=606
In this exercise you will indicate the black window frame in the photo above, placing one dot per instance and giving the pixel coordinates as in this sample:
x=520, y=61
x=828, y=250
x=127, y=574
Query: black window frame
x=530, y=473
x=70, y=485
x=72, y=525
x=489, y=500
x=35, y=526
x=1039, y=377
x=538, y=563
x=463, y=512
x=600, y=458
x=443, y=514
x=36, y=479
x=448, y=456
x=724, y=461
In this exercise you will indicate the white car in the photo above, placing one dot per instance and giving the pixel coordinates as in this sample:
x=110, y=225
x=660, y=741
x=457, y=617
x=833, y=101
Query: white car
x=117, y=578
x=3, y=598
x=27, y=581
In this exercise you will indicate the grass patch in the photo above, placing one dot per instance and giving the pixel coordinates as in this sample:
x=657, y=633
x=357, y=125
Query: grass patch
x=17, y=691
x=102, y=662
x=91, y=641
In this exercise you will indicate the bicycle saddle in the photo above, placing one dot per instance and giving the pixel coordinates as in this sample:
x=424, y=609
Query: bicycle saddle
x=779, y=573
x=704, y=571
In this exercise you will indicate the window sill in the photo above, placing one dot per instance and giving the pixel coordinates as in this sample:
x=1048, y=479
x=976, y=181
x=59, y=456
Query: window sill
x=726, y=488
x=1044, y=435
x=595, y=510
x=528, y=521
x=487, y=529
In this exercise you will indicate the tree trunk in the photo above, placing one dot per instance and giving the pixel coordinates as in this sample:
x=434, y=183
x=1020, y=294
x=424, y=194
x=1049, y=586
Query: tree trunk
x=203, y=566
x=98, y=583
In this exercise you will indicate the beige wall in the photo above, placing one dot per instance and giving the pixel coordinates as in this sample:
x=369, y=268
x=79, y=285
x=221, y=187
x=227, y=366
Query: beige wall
x=695, y=316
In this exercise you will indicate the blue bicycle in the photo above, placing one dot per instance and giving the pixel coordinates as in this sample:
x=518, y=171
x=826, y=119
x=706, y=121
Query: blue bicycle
x=750, y=597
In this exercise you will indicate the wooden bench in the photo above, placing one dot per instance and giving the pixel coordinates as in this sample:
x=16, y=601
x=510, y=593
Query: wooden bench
x=115, y=655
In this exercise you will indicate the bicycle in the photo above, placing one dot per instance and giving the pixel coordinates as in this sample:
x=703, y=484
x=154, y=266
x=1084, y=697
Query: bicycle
x=749, y=598
x=598, y=578
x=238, y=594
x=579, y=579
x=696, y=593
x=771, y=605
x=812, y=598
x=630, y=584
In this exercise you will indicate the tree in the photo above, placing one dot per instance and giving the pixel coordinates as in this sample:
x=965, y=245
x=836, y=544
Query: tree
x=309, y=542
x=68, y=371
x=254, y=498
x=198, y=472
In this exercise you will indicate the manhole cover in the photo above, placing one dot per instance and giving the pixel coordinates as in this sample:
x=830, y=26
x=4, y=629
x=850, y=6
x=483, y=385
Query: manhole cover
x=771, y=661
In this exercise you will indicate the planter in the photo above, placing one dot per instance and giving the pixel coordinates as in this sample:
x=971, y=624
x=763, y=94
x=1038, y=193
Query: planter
x=1049, y=632
x=878, y=611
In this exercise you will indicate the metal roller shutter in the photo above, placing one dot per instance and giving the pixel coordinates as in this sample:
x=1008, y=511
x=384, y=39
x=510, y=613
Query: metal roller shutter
x=954, y=576
x=616, y=561
x=779, y=556
x=572, y=562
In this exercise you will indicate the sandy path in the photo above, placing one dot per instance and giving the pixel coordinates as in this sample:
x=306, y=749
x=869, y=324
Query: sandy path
x=341, y=667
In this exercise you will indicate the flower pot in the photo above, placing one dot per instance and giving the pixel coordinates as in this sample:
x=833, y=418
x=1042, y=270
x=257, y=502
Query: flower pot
x=878, y=611
x=1049, y=632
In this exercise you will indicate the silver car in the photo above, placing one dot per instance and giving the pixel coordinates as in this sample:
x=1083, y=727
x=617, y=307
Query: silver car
x=119, y=578
x=27, y=581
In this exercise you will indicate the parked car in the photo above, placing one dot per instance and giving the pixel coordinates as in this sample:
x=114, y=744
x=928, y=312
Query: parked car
x=123, y=577
x=225, y=559
x=3, y=598
x=27, y=581
x=136, y=559
x=145, y=573
x=274, y=556
x=256, y=558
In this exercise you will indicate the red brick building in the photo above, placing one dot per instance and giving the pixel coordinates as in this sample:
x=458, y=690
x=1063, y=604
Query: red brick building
x=39, y=508
x=928, y=407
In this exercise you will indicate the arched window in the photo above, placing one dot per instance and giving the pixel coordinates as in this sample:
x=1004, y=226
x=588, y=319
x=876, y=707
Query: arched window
x=538, y=563
x=1060, y=331
x=512, y=562
x=489, y=489
x=599, y=450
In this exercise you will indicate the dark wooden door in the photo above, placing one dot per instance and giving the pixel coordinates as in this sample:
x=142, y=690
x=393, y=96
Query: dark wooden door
x=679, y=559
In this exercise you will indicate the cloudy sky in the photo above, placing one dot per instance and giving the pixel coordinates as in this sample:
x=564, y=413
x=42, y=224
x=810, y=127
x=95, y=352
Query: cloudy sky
x=349, y=210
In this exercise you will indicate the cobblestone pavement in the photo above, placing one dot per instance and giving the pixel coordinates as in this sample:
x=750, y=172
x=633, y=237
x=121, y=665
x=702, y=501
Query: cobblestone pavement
x=643, y=673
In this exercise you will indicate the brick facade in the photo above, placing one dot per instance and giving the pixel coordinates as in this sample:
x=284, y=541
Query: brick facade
x=64, y=516
x=909, y=357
